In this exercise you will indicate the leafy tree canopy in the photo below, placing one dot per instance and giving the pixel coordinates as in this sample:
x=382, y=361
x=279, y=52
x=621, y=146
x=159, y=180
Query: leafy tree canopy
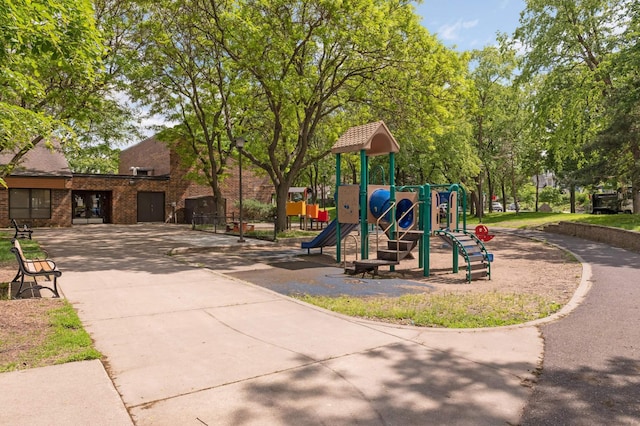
x=48, y=49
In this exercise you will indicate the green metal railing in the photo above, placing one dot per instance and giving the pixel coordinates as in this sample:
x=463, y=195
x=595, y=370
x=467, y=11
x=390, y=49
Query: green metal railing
x=462, y=251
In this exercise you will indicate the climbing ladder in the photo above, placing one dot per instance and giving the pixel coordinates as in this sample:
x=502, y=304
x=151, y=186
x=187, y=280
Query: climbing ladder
x=473, y=251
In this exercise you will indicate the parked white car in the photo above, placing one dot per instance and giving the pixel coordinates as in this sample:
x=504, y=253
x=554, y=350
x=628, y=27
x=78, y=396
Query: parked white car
x=496, y=206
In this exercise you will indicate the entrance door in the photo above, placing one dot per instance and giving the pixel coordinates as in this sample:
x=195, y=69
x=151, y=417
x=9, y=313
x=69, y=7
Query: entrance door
x=91, y=207
x=150, y=206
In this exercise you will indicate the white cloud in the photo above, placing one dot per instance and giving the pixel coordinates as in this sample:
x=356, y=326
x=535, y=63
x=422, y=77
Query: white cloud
x=151, y=124
x=452, y=32
x=470, y=24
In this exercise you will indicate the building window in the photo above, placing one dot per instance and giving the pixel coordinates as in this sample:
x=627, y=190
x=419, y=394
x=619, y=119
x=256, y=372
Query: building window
x=30, y=203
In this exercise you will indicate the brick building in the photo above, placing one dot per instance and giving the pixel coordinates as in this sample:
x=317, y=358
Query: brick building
x=151, y=186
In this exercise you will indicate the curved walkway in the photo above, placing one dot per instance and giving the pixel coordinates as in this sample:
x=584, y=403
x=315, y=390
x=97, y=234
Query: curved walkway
x=187, y=345
x=591, y=371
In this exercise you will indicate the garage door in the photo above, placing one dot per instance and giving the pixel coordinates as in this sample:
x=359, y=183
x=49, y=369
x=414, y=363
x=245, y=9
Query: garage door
x=150, y=206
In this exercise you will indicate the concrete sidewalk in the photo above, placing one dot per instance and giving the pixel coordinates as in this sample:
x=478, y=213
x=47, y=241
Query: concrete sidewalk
x=192, y=346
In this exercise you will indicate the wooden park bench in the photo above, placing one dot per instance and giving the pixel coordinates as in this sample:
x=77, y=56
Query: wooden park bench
x=21, y=231
x=45, y=268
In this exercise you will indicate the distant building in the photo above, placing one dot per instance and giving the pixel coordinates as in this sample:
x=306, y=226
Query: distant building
x=544, y=180
x=151, y=186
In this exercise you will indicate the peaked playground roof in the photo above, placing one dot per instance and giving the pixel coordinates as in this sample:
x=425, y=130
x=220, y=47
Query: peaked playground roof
x=374, y=138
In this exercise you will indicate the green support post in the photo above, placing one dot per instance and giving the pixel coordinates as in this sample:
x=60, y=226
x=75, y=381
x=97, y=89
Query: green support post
x=455, y=259
x=454, y=227
x=421, y=226
x=364, y=229
x=338, y=231
x=426, y=228
x=392, y=198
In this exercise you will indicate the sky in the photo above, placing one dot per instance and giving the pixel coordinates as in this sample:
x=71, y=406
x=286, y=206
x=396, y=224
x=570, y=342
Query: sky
x=469, y=24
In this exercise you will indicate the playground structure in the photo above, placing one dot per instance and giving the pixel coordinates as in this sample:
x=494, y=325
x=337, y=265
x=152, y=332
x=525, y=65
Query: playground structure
x=403, y=218
x=297, y=205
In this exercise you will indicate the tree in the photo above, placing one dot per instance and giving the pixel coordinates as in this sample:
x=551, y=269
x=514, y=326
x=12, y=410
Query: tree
x=570, y=44
x=61, y=67
x=423, y=103
x=285, y=75
x=290, y=77
x=306, y=61
x=49, y=51
x=107, y=118
x=184, y=75
x=489, y=112
x=518, y=153
x=621, y=133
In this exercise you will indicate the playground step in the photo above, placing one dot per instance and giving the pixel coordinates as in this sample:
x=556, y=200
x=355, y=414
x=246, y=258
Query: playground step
x=392, y=255
x=402, y=245
x=367, y=265
x=478, y=266
x=445, y=238
x=413, y=235
x=479, y=274
x=476, y=257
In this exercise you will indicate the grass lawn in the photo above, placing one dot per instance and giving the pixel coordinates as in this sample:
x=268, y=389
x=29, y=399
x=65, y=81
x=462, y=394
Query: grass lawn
x=444, y=310
x=533, y=219
x=41, y=332
x=28, y=246
x=37, y=332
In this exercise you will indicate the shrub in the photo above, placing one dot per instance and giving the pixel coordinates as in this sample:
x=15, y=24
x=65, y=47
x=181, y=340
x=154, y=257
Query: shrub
x=255, y=210
x=550, y=195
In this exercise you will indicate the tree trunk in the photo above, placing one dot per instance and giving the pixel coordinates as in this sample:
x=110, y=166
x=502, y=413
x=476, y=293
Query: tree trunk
x=635, y=178
x=314, y=185
x=472, y=203
x=514, y=192
x=490, y=190
x=635, y=193
x=218, y=199
x=480, y=198
x=572, y=197
x=218, y=202
x=537, y=190
x=282, y=196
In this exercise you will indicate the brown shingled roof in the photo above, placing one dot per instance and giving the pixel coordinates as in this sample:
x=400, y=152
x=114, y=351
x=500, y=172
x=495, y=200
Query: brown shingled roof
x=41, y=160
x=374, y=138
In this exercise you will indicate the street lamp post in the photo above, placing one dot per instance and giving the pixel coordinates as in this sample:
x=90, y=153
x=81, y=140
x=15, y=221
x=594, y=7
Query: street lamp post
x=240, y=141
x=324, y=183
